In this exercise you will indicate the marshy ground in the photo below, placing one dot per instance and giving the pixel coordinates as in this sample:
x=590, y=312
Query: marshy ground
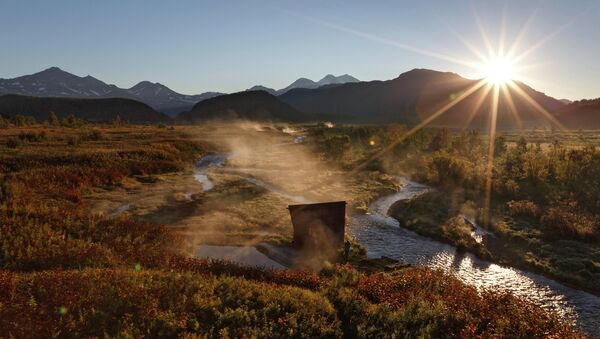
x=83, y=208
x=247, y=203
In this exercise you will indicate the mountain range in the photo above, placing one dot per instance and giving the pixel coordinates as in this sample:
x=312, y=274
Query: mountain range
x=329, y=79
x=54, y=82
x=415, y=95
x=581, y=114
x=410, y=98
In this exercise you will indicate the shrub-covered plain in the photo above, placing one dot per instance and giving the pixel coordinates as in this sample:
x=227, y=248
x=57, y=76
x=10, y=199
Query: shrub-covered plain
x=66, y=273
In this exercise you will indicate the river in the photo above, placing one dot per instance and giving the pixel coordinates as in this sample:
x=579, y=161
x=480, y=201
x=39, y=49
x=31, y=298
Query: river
x=382, y=235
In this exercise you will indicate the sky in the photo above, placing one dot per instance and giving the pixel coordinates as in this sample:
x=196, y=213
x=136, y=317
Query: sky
x=228, y=46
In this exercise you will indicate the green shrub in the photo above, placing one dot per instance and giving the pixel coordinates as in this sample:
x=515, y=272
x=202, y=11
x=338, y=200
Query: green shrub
x=33, y=137
x=72, y=121
x=4, y=123
x=22, y=120
x=53, y=119
x=459, y=232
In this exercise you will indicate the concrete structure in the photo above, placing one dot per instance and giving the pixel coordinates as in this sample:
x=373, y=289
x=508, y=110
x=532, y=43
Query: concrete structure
x=319, y=228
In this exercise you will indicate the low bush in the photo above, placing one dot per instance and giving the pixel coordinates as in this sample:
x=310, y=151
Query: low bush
x=459, y=232
x=131, y=303
x=427, y=303
x=564, y=220
x=33, y=137
x=4, y=123
x=65, y=273
x=523, y=208
x=13, y=142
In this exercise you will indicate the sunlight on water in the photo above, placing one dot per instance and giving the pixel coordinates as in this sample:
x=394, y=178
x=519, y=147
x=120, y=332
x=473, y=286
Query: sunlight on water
x=383, y=236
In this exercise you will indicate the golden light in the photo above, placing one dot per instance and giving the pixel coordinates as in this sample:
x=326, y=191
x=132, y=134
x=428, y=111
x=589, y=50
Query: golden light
x=498, y=70
x=497, y=67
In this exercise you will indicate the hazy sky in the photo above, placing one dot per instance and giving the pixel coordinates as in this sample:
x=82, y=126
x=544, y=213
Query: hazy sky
x=197, y=46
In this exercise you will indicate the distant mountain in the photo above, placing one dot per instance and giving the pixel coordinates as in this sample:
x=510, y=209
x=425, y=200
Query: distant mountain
x=300, y=83
x=329, y=79
x=58, y=83
x=54, y=82
x=251, y=105
x=413, y=97
x=164, y=99
x=566, y=101
x=263, y=88
x=583, y=114
x=99, y=109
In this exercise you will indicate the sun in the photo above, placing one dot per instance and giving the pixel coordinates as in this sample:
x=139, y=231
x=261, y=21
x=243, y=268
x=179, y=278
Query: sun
x=498, y=70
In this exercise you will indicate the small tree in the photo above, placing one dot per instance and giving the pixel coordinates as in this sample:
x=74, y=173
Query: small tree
x=500, y=144
x=71, y=121
x=522, y=145
x=116, y=121
x=53, y=119
x=30, y=120
x=20, y=120
x=24, y=120
x=4, y=123
x=441, y=140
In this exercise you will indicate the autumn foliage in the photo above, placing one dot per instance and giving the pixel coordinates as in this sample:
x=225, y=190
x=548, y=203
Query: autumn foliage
x=66, y=273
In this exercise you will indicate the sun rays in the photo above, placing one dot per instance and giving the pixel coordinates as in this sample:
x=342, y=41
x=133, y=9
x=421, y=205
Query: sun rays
x=498, y=67
x=498, y=70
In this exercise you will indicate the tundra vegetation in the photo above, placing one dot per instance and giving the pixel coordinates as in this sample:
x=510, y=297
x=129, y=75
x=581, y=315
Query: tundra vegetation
x=545, y=206
x=65, y=272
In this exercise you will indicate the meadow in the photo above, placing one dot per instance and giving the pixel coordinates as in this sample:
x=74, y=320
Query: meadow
x=67, y=272
x=544, y=208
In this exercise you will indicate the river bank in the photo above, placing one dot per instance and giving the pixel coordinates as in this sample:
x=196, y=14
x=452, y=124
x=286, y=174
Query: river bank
x=247, y=200
x=429, y=215
x=383, y=236
x=547, y=293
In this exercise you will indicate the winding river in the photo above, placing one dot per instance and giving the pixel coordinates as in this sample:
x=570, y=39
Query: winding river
x=208, y=161
x=382, y=235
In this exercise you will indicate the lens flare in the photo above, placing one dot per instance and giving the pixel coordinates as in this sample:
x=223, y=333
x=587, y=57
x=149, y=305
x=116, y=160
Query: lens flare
x=497, y=66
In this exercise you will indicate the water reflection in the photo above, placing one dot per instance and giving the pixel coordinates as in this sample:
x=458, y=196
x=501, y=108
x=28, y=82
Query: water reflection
x=208, y=161
x=383, y=236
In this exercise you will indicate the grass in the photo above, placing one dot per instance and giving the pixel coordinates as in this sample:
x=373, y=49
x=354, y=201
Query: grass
x=67, y=272
x=43, y=184
x=544, y=206
x=517, y=241
x=212, y=299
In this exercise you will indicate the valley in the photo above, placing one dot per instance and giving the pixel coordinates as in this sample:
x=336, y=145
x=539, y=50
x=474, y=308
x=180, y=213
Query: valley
x=226, y=185
x=286, y=169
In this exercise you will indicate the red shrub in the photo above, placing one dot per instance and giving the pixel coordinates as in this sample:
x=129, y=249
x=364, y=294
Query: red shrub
x=524, y=208
x=305, y=279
